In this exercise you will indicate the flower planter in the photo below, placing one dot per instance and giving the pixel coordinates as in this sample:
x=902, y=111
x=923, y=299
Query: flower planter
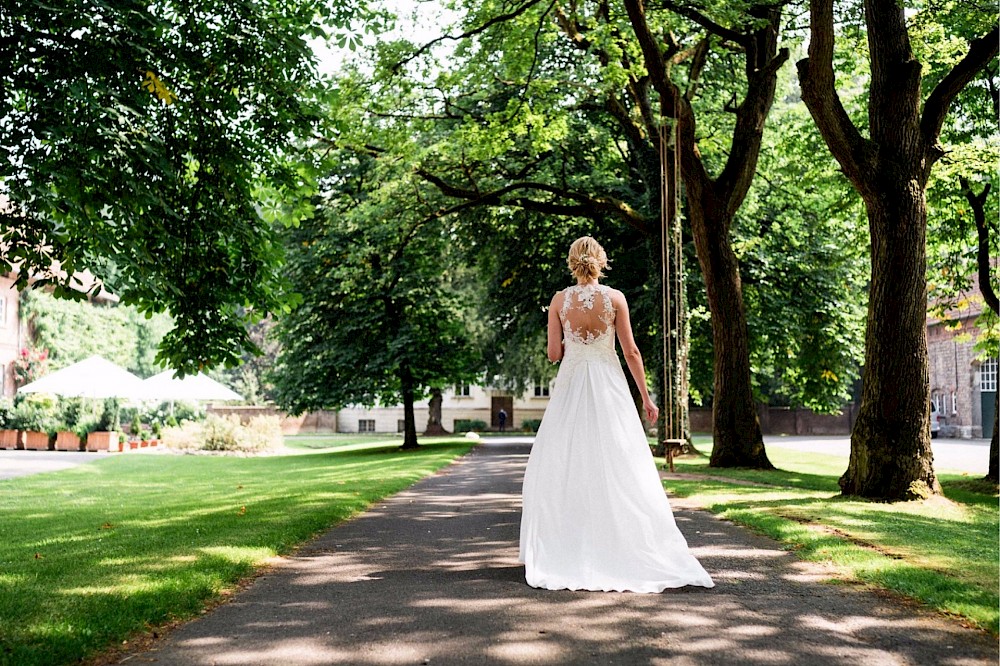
x=154, y=442
x=68, y=441
x=133, y=444
x=36, y=441
x=103, y=440
x=143, y=443
x=10, y=439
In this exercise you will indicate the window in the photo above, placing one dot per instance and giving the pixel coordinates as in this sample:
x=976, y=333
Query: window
x=3, y=311
x=3, y=379
x=954, y=403
x=541, y=390
x=988, y=375
x=462, y=390
x=401, y=425
x=366, y=425
x=936, y=401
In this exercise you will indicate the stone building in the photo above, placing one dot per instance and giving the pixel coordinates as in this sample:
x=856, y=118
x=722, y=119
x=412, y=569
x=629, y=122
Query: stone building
x=466, y=402
x=963, y=387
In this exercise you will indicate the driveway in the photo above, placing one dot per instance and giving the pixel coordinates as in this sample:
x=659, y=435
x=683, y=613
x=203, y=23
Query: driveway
x=23, y=463
x=970, y=456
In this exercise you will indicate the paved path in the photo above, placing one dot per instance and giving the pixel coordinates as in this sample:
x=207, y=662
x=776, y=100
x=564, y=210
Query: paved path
x=23, y=463
x=430, y=576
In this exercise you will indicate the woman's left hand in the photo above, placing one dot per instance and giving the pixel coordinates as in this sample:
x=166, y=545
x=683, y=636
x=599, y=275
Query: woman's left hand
x=652, y=411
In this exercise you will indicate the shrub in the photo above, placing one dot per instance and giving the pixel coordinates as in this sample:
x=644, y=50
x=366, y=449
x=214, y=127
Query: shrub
x=80, y=415
x=531, y=425
x=185, y=437
x=466, y=425
x=38, y=412
x=226, y=433
x=6, y=411
x=110, y=416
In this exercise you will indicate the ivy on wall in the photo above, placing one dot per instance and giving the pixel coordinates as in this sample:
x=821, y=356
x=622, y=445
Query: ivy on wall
x=73, y=330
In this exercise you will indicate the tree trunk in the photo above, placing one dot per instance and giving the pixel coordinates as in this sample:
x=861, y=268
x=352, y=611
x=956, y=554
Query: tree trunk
x=434, y=426
x=735, y=428
x=994, y=472
x=409, y=421
x=891, y=456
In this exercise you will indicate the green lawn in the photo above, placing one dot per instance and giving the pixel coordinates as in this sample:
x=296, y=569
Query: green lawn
x=943, y=552
x=336, y=441
x=93, y=554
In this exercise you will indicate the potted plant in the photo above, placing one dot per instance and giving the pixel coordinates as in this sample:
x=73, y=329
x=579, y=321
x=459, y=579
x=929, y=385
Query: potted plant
x=37, y=418
x=67, y=439
x=9, y=436
x=105, y=436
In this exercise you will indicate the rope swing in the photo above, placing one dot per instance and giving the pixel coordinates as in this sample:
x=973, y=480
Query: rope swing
x=675, y=333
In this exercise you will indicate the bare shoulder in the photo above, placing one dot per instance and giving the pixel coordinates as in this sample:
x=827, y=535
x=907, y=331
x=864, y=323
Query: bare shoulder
x=617, y=298
x=557, y=300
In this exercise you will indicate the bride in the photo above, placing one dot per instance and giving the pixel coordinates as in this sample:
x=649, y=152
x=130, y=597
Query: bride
x=595, y=516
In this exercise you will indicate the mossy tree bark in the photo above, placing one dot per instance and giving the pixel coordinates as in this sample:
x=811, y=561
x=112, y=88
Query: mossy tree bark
x=891, y=455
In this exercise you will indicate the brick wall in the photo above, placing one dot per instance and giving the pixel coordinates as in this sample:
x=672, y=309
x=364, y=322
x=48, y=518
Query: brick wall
x=290, y=425
x=787, y=421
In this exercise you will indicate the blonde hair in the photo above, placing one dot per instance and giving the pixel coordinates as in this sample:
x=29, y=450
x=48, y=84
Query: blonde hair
x=587, y=259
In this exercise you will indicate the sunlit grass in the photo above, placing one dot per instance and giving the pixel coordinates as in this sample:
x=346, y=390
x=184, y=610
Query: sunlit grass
x=339, y=440
x=942, y=551
x=92, y=554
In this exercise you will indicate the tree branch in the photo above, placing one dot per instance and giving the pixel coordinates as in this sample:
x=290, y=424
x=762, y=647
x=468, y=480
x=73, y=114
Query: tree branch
x=981, y=52
x=854, y=153
x=978, y=205
x=586, y=206
x=715, y=28
x=500, y=18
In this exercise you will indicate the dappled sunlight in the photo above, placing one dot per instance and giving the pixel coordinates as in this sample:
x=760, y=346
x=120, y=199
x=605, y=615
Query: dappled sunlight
x=108, y=548
x=238, y=555
x=432, y=574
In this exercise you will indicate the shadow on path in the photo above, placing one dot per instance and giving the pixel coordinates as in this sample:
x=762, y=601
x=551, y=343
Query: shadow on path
x=431, y=576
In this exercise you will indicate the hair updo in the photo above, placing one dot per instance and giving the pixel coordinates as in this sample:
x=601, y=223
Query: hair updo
x=587, y=259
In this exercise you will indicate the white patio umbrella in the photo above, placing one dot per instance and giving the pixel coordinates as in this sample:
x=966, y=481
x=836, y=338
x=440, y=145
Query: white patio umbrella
x=94, y=377
x=165, y=386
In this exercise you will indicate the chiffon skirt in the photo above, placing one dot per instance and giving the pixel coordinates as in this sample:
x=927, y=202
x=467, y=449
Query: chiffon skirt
x=595, y=515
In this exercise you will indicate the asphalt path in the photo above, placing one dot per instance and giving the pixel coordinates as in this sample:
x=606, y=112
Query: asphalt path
x=430, y=576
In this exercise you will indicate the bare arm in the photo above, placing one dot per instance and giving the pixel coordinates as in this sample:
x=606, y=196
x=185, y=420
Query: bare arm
x=623, y=327
x=555, y=345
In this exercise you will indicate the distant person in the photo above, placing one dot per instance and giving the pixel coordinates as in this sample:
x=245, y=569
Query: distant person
x=595, y=516
x=502, y=418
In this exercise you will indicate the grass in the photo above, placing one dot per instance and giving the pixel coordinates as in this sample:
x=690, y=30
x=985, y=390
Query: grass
x=94, y=554
x=942, y=551
x=337, y=441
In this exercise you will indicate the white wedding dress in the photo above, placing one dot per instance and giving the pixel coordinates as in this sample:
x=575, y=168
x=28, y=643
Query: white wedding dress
x=595, y=515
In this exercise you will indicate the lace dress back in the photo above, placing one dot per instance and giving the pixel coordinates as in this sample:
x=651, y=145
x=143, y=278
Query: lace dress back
x=588, y=316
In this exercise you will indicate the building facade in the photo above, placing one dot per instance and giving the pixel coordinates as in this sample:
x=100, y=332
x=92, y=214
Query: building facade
x=963, y=386
x=466, y=402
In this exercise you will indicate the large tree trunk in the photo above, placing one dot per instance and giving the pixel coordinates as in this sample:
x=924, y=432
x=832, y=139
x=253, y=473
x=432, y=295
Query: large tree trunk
x=712, y=203
x=409, y=420
x=994, y=472
x=891, y=454
x=735, y=429
x=890, y=445
x=434, y=426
